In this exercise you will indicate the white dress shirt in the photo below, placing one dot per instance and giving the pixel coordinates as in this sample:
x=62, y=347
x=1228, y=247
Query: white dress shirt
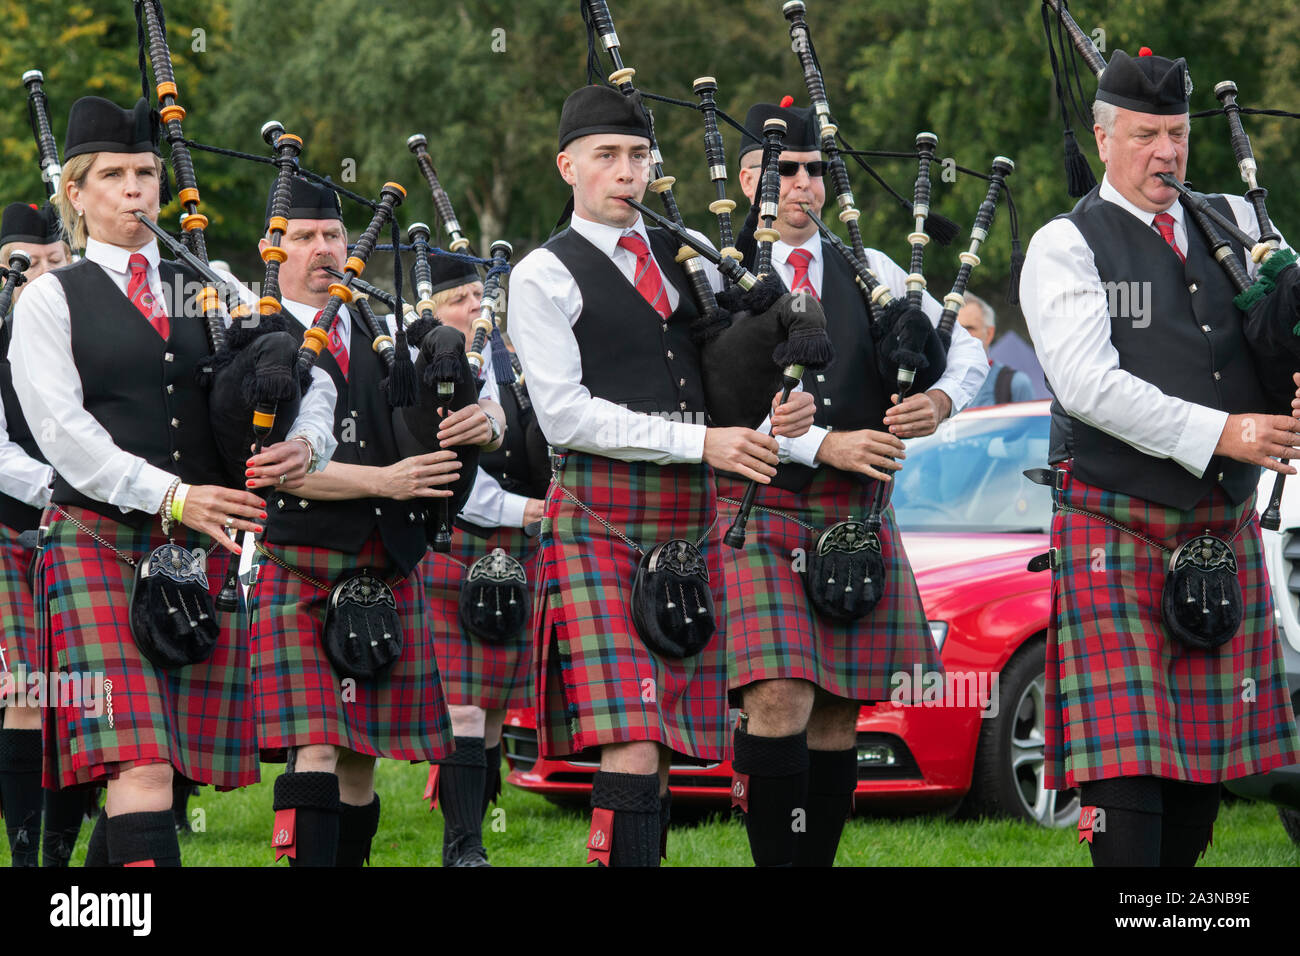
x=489, y=505
x=22, y=476
x=1067, y=311
x=543, y=307
x=49, y=389
x=967, y=363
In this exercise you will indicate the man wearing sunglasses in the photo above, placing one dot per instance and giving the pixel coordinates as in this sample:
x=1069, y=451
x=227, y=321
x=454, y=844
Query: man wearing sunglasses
x=801, y=679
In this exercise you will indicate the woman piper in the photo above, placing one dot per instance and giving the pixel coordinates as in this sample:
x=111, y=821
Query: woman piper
x=485, y=670
x=127, y=431
x=24, y=490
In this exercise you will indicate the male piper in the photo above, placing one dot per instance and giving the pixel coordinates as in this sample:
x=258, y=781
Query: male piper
x=1158, y=436
x=800, y=677
x=601, y=318
x=365, y=510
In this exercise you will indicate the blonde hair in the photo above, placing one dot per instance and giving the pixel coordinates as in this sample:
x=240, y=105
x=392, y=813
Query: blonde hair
x=442, y=298
x=8, y=247
x=75, y=171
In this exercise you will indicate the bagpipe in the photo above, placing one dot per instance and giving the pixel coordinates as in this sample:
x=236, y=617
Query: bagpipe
x=1270, y=304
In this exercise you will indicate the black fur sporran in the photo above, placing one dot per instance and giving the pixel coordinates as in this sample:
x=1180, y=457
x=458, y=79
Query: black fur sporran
x=172, y=616
x=672, y=606
x=1202, y=602
x=845, y=579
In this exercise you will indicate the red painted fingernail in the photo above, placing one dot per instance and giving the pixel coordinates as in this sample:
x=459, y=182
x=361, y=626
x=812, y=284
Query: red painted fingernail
x=257, y=529
x=249, y=473
x=249, y=483
x=263, y=515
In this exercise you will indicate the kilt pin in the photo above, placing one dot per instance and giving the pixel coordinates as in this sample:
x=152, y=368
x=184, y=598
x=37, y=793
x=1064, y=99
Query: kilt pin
x=301, y=700
x=475, y=673
x=116, y=710
x=1125, y=699
x=596, y=682
x=772, y=629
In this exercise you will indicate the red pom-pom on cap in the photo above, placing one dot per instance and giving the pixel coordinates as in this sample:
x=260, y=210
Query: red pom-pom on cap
x=1145, y=51
x=786, y=102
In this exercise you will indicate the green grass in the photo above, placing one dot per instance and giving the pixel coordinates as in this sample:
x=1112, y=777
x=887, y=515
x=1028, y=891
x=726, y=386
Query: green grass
x=533, y=832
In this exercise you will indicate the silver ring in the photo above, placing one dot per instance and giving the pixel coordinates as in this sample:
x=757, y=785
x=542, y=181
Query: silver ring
x=284, y=478
x=230, y=522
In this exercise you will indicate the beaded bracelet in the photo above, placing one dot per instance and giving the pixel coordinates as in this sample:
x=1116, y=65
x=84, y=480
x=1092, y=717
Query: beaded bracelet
x=178, y=503
x=165, y=512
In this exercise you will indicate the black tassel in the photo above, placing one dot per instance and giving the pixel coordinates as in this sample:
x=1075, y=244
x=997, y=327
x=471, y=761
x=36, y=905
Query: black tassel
x=401, y=386
x=1078, y=174
x=941, y=229
x=810, y=348
x=1017, y=264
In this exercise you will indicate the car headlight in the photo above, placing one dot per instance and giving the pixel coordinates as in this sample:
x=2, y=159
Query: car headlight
x=938, y=631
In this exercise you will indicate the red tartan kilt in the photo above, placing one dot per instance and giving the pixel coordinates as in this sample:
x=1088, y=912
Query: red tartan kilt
x=129, y=713
x=1122, y=697
x=473, y=673
x=299, y=698
x=773, y=631
x=17, y=613
x=597, y=683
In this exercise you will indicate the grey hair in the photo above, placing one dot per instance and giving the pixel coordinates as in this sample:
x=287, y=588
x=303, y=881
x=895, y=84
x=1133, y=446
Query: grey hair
x=1104, y=115
x=990, y=317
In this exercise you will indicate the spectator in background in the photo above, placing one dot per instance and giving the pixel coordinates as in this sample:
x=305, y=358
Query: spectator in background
x=1004, y=383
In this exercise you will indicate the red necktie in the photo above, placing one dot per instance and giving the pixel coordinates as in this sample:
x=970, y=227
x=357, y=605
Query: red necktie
x=337, y=348
x=1165, y=223
x=800, y=259
x=137, y=290
x=648, y=280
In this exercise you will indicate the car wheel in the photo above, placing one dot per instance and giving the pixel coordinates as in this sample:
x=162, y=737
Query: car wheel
x=1009, y=758
x=1290, y=822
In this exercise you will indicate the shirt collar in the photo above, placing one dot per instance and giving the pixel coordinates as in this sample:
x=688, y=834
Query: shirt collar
x=813, y=244
x=1113, y=195
x=605, y=238
x=116, y=259
x=306, y=314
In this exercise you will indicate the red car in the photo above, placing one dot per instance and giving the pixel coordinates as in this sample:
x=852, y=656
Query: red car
x=971, y=521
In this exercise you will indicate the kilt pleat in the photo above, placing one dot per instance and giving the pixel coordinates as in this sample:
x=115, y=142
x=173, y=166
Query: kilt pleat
x=773, y=631
x=473, y=673
x=1123, y=697
x=18, y=650
x=299, y=698
x=597, y=683
x=114, y=709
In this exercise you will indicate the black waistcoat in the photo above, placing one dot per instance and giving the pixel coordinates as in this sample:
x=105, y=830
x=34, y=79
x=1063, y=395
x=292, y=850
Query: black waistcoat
x=363, y=425
x=1187, y=343
x=849, y=393
x=14, y=514
x=140, y=388
x=630, y=355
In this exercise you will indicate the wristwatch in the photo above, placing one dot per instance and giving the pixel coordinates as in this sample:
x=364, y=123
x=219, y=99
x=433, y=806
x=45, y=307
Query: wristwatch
x=496, y=428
